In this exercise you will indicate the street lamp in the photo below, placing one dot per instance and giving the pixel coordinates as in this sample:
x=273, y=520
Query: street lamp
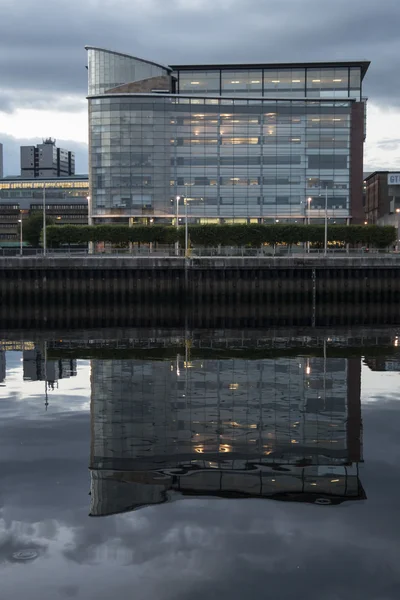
x=309, y=199
x=177, y=225
x=90, y=222
x=44, y=220
x=20, y=237
x=398, y=228
x=326, y=221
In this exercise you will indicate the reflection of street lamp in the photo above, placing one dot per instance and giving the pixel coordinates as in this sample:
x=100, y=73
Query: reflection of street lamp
x=20, y=237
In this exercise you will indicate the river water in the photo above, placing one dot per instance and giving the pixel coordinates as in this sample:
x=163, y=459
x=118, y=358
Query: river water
x=200, y=464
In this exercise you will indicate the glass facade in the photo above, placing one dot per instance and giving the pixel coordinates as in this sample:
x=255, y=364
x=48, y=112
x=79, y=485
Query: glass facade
x=243, y=144
x=108, y=70
x=332, y=82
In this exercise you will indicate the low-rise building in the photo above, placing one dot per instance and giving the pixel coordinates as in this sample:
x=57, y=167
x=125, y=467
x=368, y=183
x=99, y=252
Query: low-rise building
x=66, y=202
x=382, y=198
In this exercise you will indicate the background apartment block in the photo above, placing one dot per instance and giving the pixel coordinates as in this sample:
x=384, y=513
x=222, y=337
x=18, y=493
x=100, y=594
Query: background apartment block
x=46, y=161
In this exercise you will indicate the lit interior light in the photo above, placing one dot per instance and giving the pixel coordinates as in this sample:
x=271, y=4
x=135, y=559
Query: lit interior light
x=396, y=342
x=308, y=370
x=195, y=83
x=199, y=449
x=313, y=484
x=256, y=81
x=273, y=479
x=316, y=81
x=233, y=386
x=276, y=81
x=294, y=442
x=235, y=81
x=335, y=480
x=337, y=80
x=296, y=80
x=225, y=448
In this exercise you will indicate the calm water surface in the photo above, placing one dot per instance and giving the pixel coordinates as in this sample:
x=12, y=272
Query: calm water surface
x=213, y=464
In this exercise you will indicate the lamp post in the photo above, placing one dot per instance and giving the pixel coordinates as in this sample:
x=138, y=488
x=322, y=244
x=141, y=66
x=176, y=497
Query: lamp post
x=90, y=222
x=326, y=221
x=186, y=223
x=186, y=228
x=20, y=237
x=309, y=199
x=44, y=220
x=177, y=225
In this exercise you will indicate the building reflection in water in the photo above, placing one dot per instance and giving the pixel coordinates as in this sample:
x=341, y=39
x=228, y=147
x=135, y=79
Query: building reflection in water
x=287, y=428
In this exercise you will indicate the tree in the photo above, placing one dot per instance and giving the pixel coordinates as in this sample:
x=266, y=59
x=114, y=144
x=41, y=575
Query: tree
x=32, y=228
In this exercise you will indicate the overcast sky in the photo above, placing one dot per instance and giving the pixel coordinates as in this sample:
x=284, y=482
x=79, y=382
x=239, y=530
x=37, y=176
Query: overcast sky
x=42, y=56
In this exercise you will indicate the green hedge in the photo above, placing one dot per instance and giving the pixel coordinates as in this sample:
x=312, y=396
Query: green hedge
x=224, y=235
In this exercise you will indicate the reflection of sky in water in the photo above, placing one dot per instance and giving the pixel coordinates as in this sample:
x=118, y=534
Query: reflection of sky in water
x=198, y=548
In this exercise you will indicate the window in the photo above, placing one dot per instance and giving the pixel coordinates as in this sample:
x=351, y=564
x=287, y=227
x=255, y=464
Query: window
x=329, y=82
x=199, y=82
x=239, y=141
x=284, y=81
x=241, y=82
x=327, y=161
x=241, y=181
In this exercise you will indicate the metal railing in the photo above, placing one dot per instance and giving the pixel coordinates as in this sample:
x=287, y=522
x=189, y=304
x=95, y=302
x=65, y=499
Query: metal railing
x=200, y=252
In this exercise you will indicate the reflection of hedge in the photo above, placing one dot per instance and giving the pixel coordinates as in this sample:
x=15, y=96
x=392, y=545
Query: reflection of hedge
x=171, y=352
x=225, y=235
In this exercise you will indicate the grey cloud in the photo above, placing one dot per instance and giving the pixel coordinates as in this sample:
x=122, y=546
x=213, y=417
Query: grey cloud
x=11, y=542
x=12, y=153
x=193, y=549
x=389, y=144
x=47, y=54
x=34, y=99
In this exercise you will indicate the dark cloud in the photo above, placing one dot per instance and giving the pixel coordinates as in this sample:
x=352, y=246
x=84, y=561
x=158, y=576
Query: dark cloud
x=12, y=152
x=47, y=54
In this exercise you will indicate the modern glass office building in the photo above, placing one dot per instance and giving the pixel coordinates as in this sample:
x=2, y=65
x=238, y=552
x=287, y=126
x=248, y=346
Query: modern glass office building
x=249, y=143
